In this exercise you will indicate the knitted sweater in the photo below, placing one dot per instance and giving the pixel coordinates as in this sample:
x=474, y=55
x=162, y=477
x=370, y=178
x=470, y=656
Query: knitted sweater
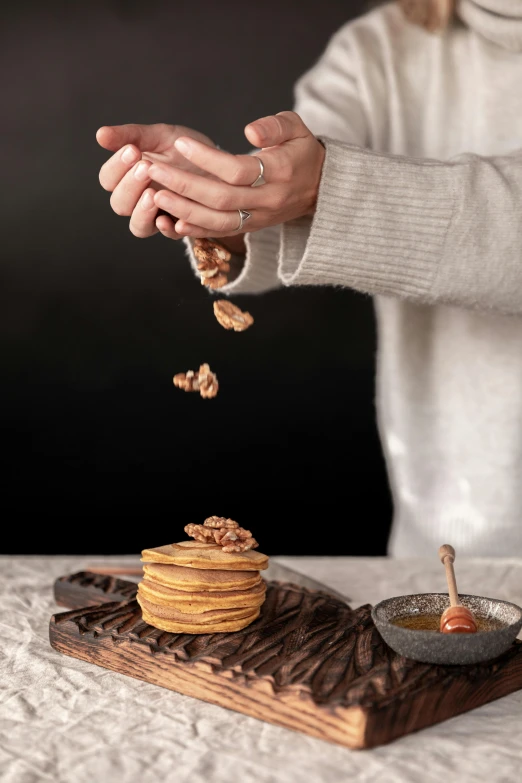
x=420, y=206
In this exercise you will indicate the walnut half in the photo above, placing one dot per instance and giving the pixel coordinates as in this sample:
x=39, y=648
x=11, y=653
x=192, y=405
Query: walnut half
x=213, y=262
x=204, y=381
x=231, y=317
x=225, y=532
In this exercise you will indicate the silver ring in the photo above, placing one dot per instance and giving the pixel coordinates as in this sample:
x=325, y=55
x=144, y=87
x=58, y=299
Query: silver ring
x=243, y=217
x=260, y=178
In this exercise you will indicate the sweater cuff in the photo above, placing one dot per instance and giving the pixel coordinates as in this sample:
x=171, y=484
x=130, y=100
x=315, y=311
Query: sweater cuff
x=257, y=268
x=379, y=226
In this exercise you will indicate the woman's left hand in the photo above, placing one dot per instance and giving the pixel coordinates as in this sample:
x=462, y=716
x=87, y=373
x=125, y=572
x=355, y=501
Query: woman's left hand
x=209, y=206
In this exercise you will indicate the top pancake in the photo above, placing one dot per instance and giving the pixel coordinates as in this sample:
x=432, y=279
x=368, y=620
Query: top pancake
x=196, y=554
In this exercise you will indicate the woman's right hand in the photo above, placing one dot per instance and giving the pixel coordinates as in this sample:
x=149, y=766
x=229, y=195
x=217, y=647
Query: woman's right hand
x=125, y=173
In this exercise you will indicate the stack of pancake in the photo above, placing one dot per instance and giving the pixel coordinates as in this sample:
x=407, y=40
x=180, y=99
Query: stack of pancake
x=195, y=587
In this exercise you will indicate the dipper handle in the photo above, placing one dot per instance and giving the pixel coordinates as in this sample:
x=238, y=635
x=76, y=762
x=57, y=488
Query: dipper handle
x=456, y=618
x=447, y=556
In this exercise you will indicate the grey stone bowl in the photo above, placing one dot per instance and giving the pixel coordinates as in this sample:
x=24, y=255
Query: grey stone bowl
x=443, y=648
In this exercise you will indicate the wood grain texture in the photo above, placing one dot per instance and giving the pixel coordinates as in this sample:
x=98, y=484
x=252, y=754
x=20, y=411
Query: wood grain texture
x=86, y=588
x=309, y=663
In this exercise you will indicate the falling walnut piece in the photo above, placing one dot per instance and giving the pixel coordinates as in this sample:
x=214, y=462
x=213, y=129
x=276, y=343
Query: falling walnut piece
x=204, y=381
x=215, y=282
x=231, y=317
x=225, y=532
x=209, y=248
x=213, y=262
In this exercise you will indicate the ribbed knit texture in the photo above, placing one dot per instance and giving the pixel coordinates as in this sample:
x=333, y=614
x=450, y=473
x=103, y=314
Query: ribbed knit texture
x=420, y=206
x=368, y=224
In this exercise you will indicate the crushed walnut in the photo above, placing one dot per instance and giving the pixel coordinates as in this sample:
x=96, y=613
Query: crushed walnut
x=231, y=317
x=204, y=381
x=213, y=262
x=224, y=532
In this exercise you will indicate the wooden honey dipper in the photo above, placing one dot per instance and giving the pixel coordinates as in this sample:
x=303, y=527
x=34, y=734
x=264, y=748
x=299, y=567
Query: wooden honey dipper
x=456, y=618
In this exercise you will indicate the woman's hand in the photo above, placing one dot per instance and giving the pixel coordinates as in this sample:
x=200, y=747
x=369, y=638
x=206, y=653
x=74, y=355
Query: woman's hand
x=292, y=158
x=126, y=173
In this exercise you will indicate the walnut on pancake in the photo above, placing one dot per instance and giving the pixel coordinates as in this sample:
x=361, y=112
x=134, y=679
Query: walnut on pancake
x=227, y=533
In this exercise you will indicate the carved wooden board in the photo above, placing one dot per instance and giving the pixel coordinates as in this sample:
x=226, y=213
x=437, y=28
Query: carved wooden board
x=309, y=663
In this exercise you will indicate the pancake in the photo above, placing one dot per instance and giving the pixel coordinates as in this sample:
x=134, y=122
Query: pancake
x=205, y=557
x=202, y=601
x=203, y=618
x=195, y=579
x=173, y=626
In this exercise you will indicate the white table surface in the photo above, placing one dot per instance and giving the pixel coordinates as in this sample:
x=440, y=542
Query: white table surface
x=63, y=719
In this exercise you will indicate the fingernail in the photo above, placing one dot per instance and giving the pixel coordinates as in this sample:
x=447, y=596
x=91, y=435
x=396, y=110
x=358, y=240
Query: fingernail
x=147, y=202
x=183, y=146
x=142, y=171
x=129, y=155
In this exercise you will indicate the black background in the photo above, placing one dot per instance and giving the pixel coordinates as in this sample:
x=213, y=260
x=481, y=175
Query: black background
x=101, y=453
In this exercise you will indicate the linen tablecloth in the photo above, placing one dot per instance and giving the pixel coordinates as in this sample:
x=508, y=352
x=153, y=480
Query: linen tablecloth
x=63, y=719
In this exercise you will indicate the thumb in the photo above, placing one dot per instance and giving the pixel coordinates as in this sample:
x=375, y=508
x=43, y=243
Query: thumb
x=145, y=137
x=276, y=129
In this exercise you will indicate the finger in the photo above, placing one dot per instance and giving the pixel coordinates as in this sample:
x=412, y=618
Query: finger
x=190, y=212
x=198, y=232
x=276, y=129
x=114, y=169
x=234, y=169
x=165, y=225
x=129, y=190
x=143, y=219
x=145, y=137
x=210, y=192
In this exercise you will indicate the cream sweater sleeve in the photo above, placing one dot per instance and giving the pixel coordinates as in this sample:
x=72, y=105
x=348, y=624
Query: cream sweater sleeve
x=429, y=231
x=333, y=83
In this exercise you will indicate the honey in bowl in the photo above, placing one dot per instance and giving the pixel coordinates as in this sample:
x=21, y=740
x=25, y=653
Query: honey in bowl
x=431, y=622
